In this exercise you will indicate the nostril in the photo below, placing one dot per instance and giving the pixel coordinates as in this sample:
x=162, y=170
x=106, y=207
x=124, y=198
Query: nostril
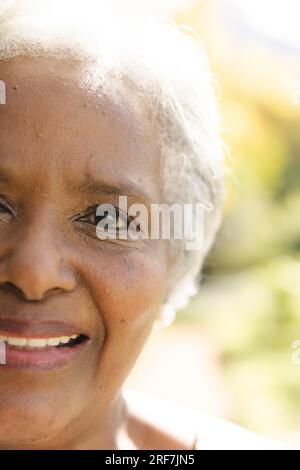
x=12, y=288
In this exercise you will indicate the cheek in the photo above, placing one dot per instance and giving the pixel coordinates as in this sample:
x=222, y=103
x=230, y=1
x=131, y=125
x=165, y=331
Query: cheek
x=127, y=287
x=128, y=290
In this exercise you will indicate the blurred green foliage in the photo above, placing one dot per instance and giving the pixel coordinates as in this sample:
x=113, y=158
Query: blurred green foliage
x=250, y=295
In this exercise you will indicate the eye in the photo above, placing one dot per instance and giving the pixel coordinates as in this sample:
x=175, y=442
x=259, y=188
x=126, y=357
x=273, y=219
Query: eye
x=115, y=220
x=4, y=210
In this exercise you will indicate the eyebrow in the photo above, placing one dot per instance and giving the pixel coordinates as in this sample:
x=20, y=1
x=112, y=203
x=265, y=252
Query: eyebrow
x=95, y=187
x=121, y=189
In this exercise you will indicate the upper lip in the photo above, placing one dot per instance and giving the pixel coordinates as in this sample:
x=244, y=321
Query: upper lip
x=37, y=329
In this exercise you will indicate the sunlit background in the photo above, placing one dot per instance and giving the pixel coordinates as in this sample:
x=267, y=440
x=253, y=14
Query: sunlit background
x=230, y=352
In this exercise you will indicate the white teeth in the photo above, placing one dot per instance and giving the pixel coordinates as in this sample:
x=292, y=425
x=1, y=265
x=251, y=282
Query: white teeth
x=64, y=339
x=17, y=341
x=37, y=342
x=53, y=341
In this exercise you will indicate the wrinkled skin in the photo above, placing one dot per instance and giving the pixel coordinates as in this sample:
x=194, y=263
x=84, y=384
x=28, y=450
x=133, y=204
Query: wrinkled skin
x=58, y=136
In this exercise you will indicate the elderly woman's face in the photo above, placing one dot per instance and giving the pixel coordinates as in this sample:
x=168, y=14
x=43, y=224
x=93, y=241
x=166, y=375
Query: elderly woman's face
x=65, y=148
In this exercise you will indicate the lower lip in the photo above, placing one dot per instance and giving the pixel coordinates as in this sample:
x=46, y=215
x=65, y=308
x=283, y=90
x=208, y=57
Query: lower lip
x=40, y=359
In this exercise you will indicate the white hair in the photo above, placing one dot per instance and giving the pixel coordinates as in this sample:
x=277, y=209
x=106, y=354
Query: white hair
x=167, y=66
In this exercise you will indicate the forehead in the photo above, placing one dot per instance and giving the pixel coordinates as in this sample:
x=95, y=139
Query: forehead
x=58, y=115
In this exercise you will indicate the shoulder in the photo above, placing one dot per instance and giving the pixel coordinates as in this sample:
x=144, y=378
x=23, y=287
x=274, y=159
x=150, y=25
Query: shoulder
x=219, y=434
x=187, y=428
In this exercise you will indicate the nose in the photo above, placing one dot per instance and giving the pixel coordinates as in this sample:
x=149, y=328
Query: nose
x=35, y=266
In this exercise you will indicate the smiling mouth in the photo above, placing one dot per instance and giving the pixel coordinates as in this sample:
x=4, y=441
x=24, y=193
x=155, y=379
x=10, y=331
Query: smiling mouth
x=38, y=346
x=43, y=343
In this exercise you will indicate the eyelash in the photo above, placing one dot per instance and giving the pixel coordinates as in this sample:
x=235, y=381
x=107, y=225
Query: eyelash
x=92, y=211
x=5, y=208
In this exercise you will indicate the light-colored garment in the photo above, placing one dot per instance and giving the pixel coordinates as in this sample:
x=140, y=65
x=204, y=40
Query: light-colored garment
x=202, y=431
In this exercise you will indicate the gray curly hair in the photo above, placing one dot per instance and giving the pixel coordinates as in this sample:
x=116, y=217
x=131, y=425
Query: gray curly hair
x=166, y=65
